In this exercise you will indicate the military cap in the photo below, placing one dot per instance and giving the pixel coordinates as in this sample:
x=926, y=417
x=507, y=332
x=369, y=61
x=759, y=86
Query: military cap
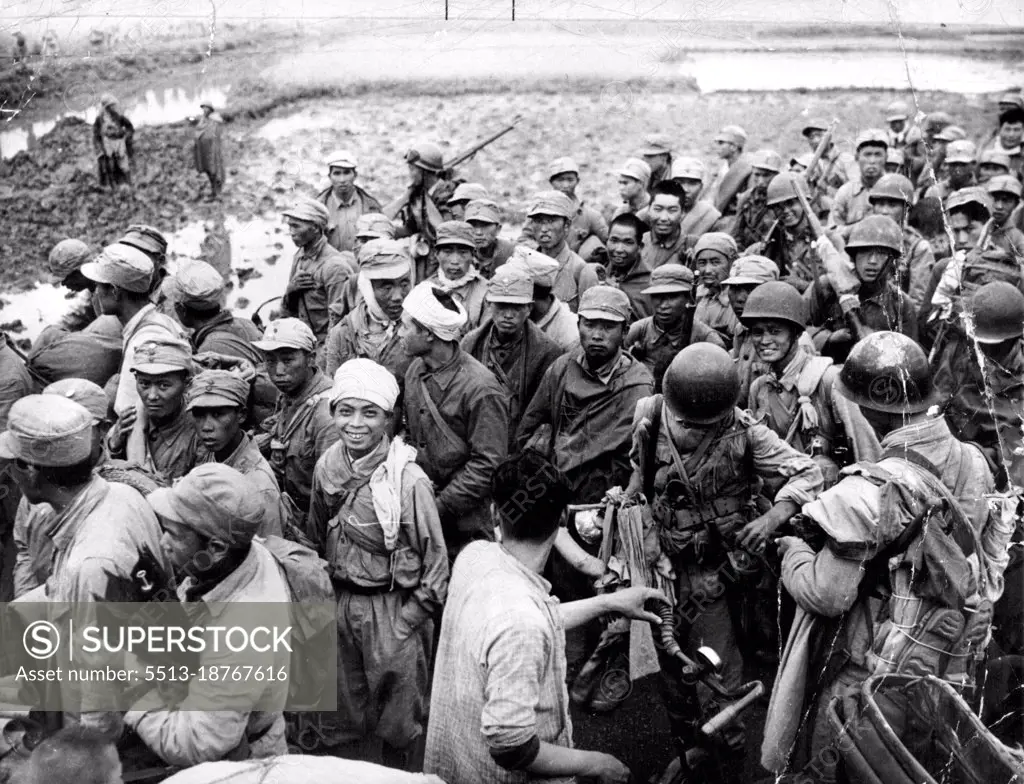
x=897, y=110
x=214, y=500
x=670, y=279
x=48, y=430
x=965, y=196
x=688, y=169
x=895, y=155
x=604, y=303
x=657, y=144
x=543, y=269
x=373, y=225
x=468, y=191
x=751, y=271
x=637, y=169
x=961, y=151
x=769, y=160
x=145, y=238
x=872, y=136
x=717, y=241
x=1004, y=183
x=287, y=333
x=384, y=259
x=123, y=266
x=343, y=159
x=814, y=124
x=562, y=166
x=511, y=283
x=552, y=203
x=994, y=158
x=732, y=133
x=1015, y=100
x=951, y=133
x=482, y=210
x=308, y=210
x=66, y=257
x=217, y=389
x=198, y=285
x=162, y=355
x=87, y=394
x=455, y=233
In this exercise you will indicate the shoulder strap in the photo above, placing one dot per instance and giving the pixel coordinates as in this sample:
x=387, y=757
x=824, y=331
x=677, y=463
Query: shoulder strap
x=650, y=464
x=812, y=374
x=914, y=457
x=435, y=414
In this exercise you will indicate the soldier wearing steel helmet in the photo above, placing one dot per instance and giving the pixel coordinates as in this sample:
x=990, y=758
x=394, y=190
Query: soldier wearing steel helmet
x=419, y=209
x=754, y=218
x=874, y=248
x=893, y=197
x=700, y=461
x=855, y=571
x=983, y=397
x=851, y=200
x=790, y=242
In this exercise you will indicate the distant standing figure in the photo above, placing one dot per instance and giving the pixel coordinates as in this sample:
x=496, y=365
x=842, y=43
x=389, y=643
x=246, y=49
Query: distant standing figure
x=112, y=135
x=209, y=149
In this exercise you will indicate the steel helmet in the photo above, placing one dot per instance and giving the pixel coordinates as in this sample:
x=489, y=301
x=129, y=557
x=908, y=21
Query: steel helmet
x=769, y=160
x=782, y=188
x=776, y=300
x=893, y=186
x=426, y=156
x=889, y=372
x=998, y=309
x=702, y=384
x=876, y=231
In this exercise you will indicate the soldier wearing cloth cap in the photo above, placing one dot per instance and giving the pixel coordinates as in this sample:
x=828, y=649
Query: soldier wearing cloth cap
x=1005, y=193
x=550, y=314
x=124, y=276
x=374, y=519
x=700, y=462
x=713, y=257
x=960, y=161
x=851, y=200
x=457, y=273
x=456, y=413
x=198, y=293
x=371, y=329
x=835, y=169
x=300, y=430
x=587, y=230
x=992, y=164
x=492, y=251
x=103, y=534
x=65, y=264
x=754, y=220
x=634, y=177
x=656, y=340
x=345, y=201
x=733, y=174
x=161, y=438
x=218, y=402
x=626, y=268
x=657, y=154
x=897, y=114
x=318, y=274
x=549, y=220
x=587, y=397
x=210, y=519
x=371, y=226
x=464, y=193
x=892, y=196
x=153, y=243
x=511, y=346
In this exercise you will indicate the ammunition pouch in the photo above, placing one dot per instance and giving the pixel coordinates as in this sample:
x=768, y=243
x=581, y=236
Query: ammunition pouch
x=703, y=534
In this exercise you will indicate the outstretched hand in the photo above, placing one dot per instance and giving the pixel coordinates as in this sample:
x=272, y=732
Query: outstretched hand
x=630, y=603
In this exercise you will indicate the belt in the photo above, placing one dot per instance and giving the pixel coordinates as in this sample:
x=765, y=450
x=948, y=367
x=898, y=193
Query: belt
x=363, y=590
x=722, y=507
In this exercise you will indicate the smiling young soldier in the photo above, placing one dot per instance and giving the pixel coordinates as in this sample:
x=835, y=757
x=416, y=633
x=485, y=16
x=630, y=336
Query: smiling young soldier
x=301, y=429
x=218, y=401
x=626, y=268
x=163, y=439
x=374, y=519
x=457, y=274
x=371, y=329
x=511, y=346
x=656, y=340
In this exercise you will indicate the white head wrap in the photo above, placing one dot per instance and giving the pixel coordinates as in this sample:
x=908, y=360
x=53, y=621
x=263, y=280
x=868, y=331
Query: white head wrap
x=364, y=379
x=422, y=305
